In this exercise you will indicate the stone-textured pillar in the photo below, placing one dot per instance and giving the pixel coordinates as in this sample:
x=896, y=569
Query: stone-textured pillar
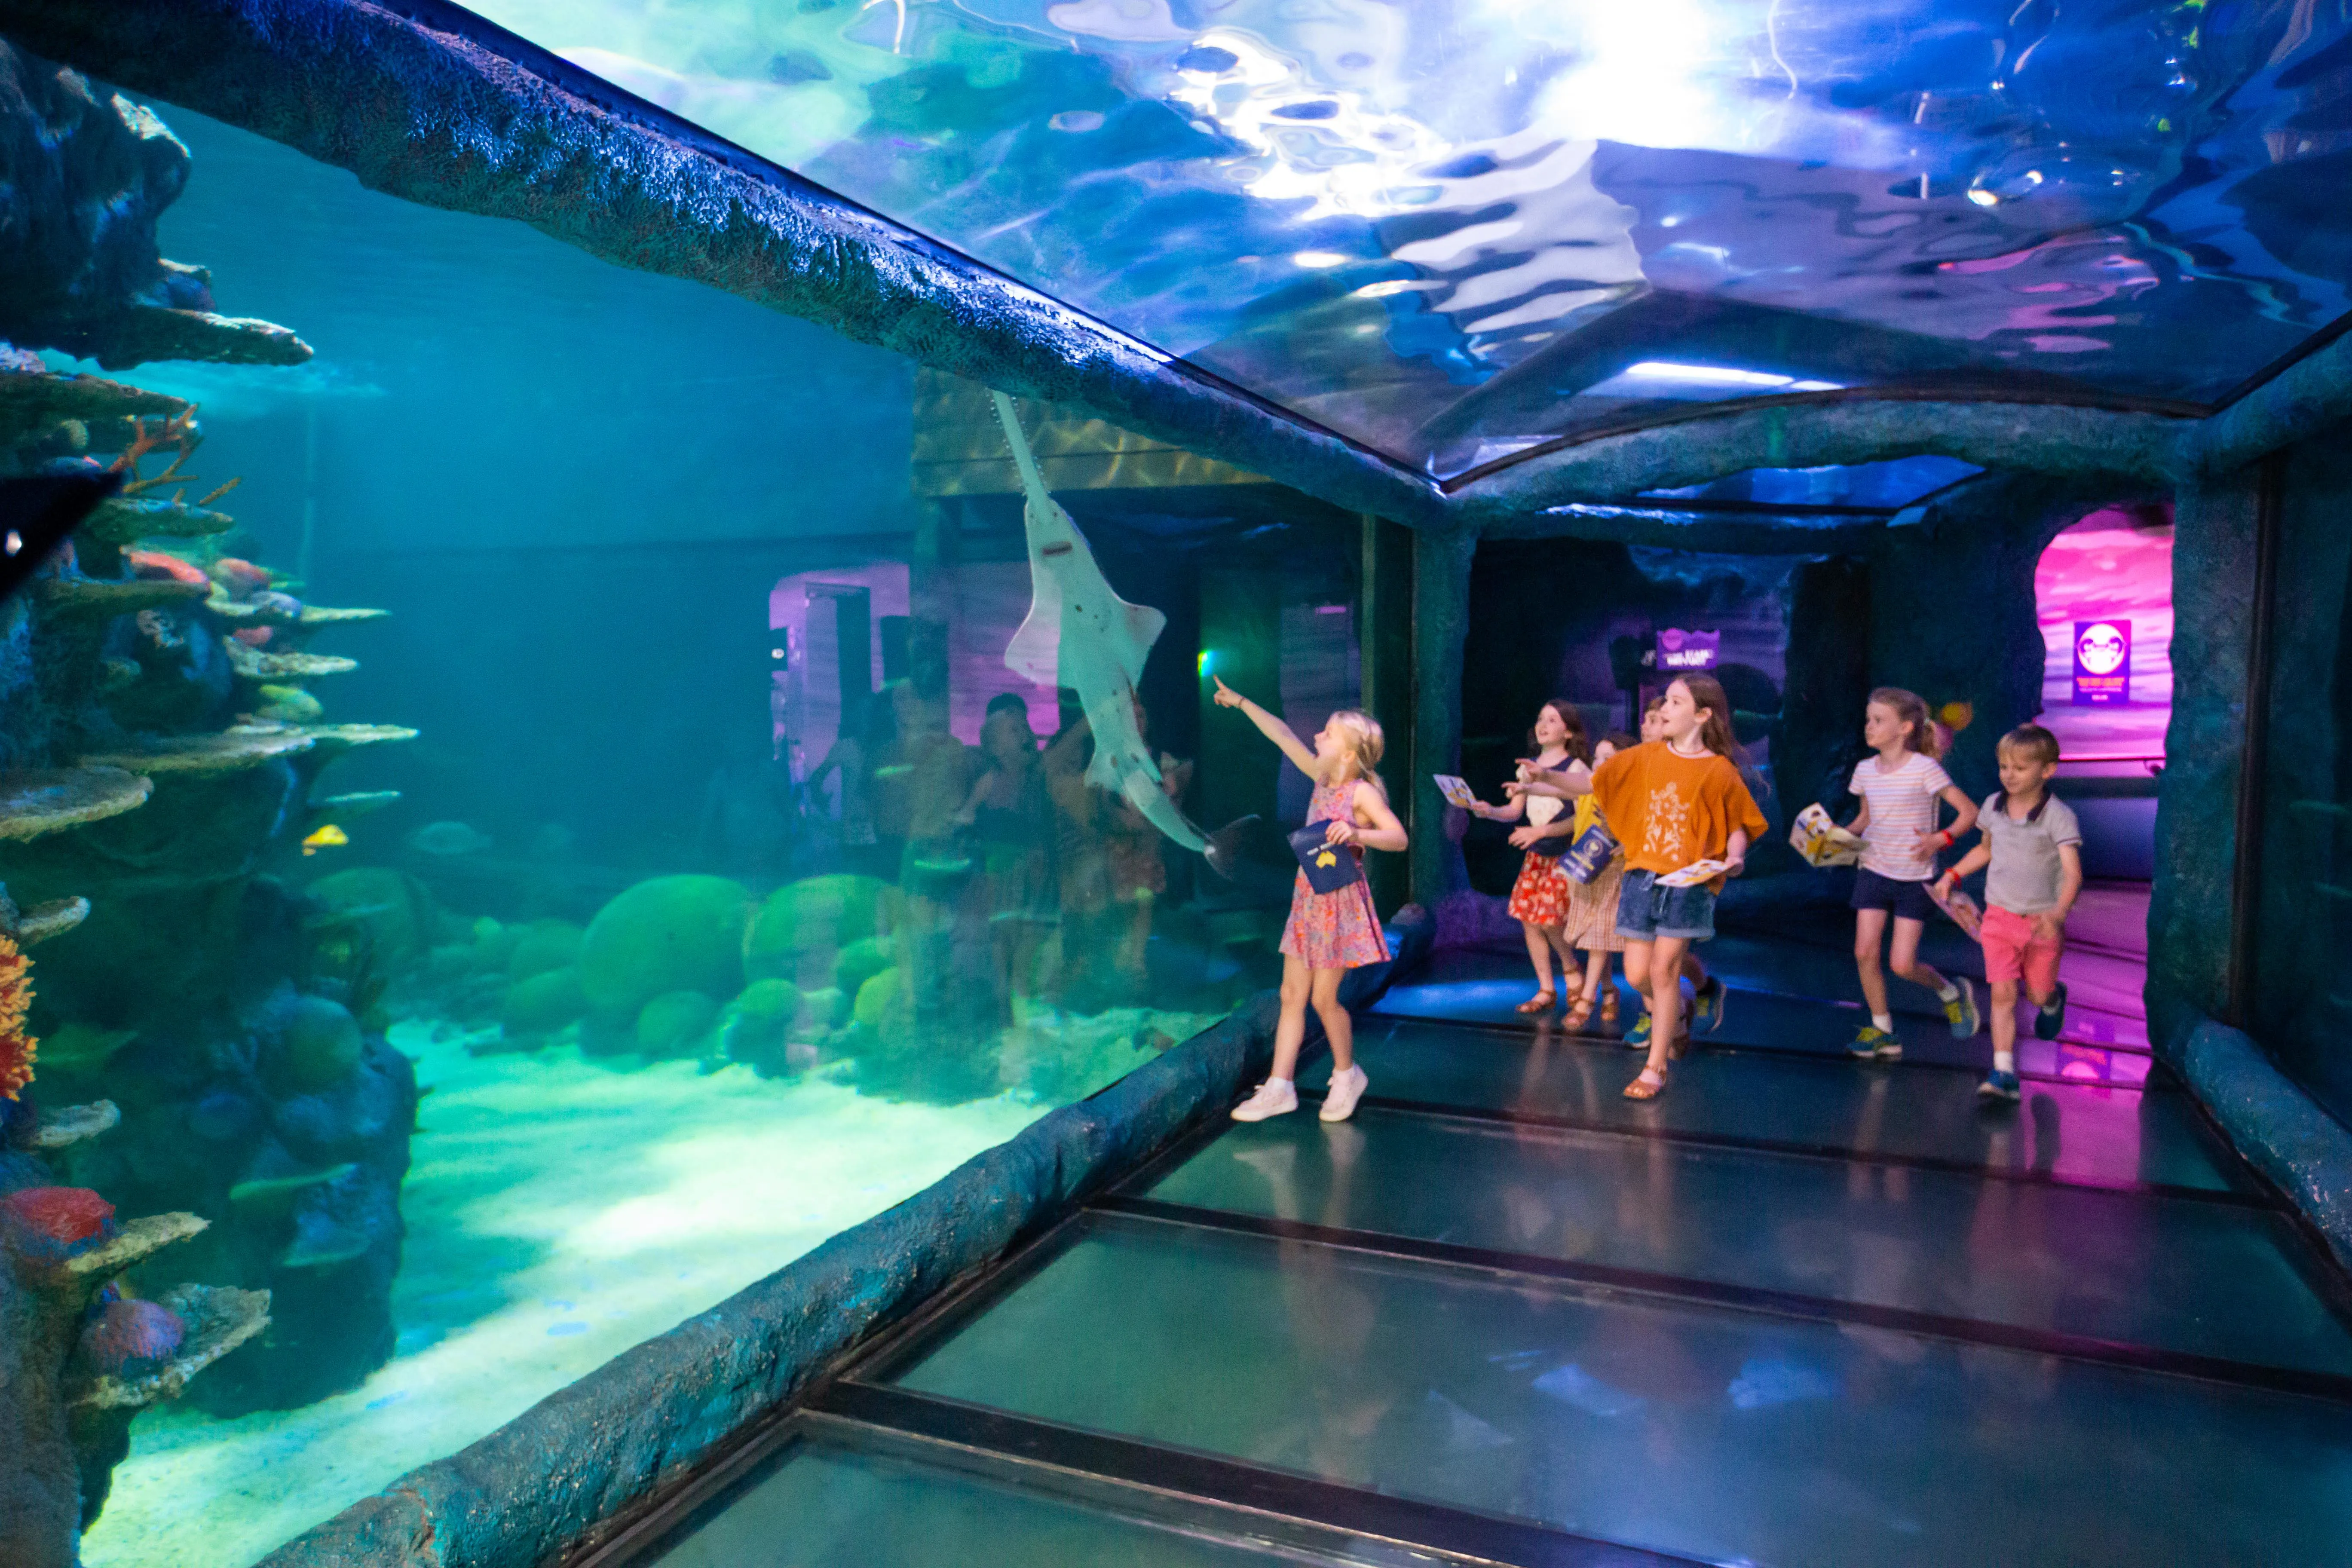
x=1384, y=648
x=2204, y=745
x=1441, y=619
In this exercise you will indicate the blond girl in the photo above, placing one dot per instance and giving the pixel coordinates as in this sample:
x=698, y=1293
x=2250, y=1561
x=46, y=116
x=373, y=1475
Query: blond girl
x=1328, y=933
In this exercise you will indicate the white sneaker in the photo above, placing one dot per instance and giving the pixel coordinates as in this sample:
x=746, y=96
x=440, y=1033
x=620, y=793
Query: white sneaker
x=1274, y=1097
x=1339, y=1099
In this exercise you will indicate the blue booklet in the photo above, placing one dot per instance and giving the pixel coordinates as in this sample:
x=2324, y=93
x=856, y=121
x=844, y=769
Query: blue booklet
x=1591, y=854
x=1329, y=866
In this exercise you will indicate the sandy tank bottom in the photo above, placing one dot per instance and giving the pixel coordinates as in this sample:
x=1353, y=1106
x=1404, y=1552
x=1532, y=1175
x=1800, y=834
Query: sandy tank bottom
x=558, y=1212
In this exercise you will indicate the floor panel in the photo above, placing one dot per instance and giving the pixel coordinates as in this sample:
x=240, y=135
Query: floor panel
x=1719, y=1435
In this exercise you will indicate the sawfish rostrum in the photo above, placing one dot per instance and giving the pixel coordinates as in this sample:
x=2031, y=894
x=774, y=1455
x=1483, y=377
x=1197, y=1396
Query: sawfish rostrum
x=1081, y=635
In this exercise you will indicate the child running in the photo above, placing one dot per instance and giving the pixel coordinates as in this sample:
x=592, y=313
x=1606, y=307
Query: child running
x=1539, y=898
x=2033, y=847
x=1592, y=922
x=1328, y=933
x=1674, y=802
x=1899, y=789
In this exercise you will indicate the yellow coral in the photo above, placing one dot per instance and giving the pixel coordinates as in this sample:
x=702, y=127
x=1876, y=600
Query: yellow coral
x=17, y=1048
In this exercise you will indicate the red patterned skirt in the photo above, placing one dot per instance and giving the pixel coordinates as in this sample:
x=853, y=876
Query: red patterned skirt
x=1540, y=895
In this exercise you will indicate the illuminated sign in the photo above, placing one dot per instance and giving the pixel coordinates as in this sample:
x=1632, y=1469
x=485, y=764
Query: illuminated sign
x=2103, y=662
x=1680, y=650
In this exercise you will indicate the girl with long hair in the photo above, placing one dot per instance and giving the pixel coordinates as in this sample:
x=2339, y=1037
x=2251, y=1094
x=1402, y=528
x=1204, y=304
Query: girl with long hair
x=1900, y=789
x=1328, y=933
x=1540, y=897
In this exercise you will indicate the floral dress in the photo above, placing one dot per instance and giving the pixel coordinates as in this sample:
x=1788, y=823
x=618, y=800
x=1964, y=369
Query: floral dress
x=1540, y=895
x=1333, y=931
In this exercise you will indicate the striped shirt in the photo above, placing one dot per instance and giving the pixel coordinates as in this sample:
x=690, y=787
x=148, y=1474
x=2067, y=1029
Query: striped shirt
x=1902, y=806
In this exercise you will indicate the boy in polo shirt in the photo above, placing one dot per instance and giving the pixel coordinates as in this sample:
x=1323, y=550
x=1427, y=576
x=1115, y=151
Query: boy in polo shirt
x=2033, y=847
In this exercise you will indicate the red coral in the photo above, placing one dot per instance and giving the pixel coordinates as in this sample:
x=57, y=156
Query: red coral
x=17, y=1048
x=131, y=1334
x=61, y=1214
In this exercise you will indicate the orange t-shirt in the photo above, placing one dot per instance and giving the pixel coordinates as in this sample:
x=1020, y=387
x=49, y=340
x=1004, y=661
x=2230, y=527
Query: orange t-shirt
x=1669, y=810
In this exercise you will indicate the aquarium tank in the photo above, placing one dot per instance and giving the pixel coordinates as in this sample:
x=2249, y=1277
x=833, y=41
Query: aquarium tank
x=616, y=832
x=558, y=834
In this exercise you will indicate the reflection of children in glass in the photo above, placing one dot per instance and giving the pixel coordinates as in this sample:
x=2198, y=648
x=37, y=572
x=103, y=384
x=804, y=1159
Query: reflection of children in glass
x=1011, y=825
x=2033, y=847
x=1540, y=896
x=1328, y=933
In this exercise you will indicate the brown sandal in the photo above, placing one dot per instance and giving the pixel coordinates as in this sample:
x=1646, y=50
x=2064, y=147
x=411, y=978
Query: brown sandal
x=1609, y=1006
x=1580, y=1015
x=1541, y=1001
x=1641, y=1087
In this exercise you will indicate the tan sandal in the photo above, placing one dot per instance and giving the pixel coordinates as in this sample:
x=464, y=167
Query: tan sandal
x=1644, y=1088
x=1580, y=1015
x=1609, y=1006
x=1541, y=1001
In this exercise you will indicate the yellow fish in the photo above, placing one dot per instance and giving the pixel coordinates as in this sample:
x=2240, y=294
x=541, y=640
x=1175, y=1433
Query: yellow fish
x=326, y=838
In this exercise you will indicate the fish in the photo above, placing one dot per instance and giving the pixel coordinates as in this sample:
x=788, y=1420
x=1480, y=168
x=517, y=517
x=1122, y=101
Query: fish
x=289, y=702
x=1080, y=635
x=327, y=837
x=447, y=838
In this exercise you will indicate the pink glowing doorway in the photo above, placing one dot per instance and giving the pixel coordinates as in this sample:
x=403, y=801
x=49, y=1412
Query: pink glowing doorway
x=2106, y=579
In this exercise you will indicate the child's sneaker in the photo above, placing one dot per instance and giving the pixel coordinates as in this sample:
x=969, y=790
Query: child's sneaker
x=1637, y=1038
x=1961, y=1010
x=1872, y=1043
x=1706, y=1006
x=2048, y=1021
x=1274, y=1097
x=1998, y=1084
x=1339, y=1099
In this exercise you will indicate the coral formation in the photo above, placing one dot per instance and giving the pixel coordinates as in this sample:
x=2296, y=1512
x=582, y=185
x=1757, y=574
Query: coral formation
x=17, y=1048
x=37, y=801
x=131, y=1336
x=813, y=919
x=672, y=933
x=59, y=1221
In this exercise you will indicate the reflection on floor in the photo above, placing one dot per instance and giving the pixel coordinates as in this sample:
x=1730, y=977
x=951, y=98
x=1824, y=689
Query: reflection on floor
x=1797, y=1312
x=558, y=1212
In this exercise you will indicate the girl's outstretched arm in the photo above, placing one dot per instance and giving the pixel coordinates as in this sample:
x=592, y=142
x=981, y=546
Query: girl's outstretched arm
x=1272, y=728
x=1569, y=783
x=1383, y=830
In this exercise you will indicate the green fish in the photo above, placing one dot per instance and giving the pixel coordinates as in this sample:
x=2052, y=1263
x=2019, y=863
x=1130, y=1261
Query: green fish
x=291, y=703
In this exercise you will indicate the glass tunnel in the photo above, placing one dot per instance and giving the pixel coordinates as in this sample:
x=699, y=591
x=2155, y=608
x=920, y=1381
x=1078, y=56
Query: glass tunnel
x=1119, y=781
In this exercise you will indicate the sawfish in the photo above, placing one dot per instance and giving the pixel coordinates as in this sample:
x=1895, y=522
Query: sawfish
x=1080, y=635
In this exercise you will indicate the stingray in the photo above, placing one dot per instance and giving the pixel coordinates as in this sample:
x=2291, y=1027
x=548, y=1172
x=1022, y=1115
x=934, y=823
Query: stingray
x=1082, y=635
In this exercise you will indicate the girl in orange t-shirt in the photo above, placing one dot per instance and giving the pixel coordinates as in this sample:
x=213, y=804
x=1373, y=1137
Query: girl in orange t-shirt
x=1673, y=803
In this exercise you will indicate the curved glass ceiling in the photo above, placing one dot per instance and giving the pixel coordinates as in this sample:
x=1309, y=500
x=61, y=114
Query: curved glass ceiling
x=1453, y=230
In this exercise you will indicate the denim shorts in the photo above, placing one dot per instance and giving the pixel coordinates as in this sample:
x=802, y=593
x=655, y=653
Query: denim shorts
x=1903, y=900
x=1646, y=912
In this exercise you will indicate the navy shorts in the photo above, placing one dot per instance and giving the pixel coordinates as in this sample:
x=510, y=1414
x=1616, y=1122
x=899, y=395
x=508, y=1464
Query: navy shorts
x=1645, y=911
x=1903, y=900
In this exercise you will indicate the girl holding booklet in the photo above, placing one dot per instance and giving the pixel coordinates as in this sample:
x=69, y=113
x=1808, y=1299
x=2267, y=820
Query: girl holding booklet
x=1683, y=815
x=1328, y=933
x=1591, y=924
x=1541, y=897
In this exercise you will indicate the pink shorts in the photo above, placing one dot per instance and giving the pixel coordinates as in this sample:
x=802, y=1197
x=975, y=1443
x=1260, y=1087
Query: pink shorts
x=2012, y=952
